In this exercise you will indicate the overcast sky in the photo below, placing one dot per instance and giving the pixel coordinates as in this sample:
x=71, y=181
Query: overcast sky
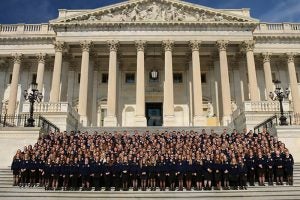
x=38, y=11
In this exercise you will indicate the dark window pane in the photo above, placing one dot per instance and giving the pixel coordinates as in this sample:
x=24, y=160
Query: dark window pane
x=203, y=78
x=177, y=77
x=104, y=78
x=129, y=77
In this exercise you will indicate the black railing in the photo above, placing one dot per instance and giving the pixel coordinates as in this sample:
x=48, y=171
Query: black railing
x=292, y=119
x=21, y=121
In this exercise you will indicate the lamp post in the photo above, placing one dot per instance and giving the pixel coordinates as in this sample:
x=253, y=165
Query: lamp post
x=32, y=97
x=279, y=95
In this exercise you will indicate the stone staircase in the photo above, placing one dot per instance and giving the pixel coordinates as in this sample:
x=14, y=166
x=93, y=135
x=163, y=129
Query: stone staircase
x=152, y=129
x=7, y=191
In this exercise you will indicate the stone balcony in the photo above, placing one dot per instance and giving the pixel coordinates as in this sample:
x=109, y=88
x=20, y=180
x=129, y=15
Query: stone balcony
x=26, y=29
x=273, y=29
x=61, y=114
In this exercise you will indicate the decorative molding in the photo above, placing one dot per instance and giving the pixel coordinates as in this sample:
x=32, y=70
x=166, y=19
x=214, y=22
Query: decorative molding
x=41, y=57
x=168, y=45
x=140, y=45
x=266, y=57
x=86, y=45
x=222, y=45
x=113, y=45
x=17, y=58
x=248, y=45
x=59, y=46
x=195, y=45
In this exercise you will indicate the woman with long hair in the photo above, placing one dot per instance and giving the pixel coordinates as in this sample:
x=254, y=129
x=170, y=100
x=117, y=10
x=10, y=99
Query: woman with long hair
x=15, y=167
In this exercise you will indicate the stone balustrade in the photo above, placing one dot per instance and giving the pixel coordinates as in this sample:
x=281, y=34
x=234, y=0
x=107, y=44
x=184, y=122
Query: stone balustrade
x=11, y=29
x=264, y=106
x=277, y=28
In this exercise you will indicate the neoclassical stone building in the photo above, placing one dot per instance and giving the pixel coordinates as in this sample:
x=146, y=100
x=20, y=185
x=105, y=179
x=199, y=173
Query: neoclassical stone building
x=150, y=63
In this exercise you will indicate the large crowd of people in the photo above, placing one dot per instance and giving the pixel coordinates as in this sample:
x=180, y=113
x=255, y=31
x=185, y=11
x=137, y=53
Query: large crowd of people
x=145, y=160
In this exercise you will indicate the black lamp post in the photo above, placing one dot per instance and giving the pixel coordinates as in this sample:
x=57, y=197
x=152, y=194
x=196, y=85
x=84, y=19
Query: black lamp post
x=279, y=95
x=32, y=97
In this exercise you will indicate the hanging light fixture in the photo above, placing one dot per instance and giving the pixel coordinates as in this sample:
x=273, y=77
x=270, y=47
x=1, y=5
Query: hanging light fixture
x=154, y=72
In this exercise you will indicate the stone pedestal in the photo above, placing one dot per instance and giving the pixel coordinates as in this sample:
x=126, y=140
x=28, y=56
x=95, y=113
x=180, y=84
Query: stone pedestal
x=199, y=121
x=140, y=121
x=169, y=121
x=110, y=121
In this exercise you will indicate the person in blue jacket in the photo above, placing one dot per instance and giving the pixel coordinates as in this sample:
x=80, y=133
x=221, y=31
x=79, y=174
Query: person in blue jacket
x=180, y=169
x=172, y=173
x=208, y=172
x=152, y=174
x=33, y=165
x=217, y=170
x=116, y=173
x=233, y=174
x=288, y=163
x=134, y=171
x=278, y=165
x=199, y=173
x=41, y=168
x=47, y=174
x=74, y=174
x=143, y=173
x=66, y=169
x=125, y=174
x=24, y=169
x=96, y=171
x=55, y=173
x=189, y=170
x=15, y=167
x=107, y=165
x=225, y=171
x=260, y=166
x=269, y=168
x=251, y=166
x=242, y=174
x=161, y=173
x=85, y=171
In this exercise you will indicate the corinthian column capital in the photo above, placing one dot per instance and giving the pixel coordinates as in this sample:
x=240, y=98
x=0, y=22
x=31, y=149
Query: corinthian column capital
x=290, y=57
x=59, y=46
x=113, y=45
x=86, y=45
x=195, y=45
x=266, y=57
x=168, y=45
x=41, y=57
x=222, y=44
x=140, y=45
x=248, y=45
x=17, y=58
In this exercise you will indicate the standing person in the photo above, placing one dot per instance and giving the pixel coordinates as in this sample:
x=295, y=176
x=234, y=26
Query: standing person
x=134, y=171
x=125, y=174
x=143, y=174
x=180, y=169
x=15, y=167
x=225, y=172
x=41, y=168
x=161, y=173
x=208, y=172
x=278, y=164
x=66, y=174
x=199, y=173
x=189, y=171
x=172, y=174
x=97, y=170
x=260, y=165
x=250, y=163
x=217, y=172
x=269, y=168
x=24, y=169
x=288, y=163
x=242, y=174
x=85, y=171
x=47, y=174
x=107, y=173
x=116, y=174
x=32, y=171
x=56, y=170
x=233, y=174
x=152, y=174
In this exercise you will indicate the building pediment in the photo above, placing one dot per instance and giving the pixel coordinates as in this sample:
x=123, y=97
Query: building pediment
x=153, y=11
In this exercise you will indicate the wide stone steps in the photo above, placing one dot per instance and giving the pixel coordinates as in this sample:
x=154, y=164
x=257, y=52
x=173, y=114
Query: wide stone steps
x=7, y=191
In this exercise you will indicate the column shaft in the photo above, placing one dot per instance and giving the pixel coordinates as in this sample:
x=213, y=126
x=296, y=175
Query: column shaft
x=40, y=71
x=14, y=84
x=268, y=75
x=225, y=86
x=84, y=80
x=293, y=82
x=55, y=88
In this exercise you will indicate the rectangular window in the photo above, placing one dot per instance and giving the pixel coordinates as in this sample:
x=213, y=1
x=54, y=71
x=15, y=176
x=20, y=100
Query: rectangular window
x=33, y=80
x=78, y=78
x=274, y=78
x=297, y=75
x=104, y=78
x=177, y=77
x=203, y=78
x=129, y=78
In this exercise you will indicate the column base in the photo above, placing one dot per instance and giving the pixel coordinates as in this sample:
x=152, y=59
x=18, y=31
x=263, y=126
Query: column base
x=169, y=121
x=110, y=121
x=140, y=121
x=200, y=121
x=226, y=120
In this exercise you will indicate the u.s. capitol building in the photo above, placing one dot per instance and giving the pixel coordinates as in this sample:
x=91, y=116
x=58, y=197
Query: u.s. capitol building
x=150, y=63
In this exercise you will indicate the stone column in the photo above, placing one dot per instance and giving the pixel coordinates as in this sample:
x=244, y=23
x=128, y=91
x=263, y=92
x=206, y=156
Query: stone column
x=268, y=74
x=140, y=120
x=84, y=80
x=111, y=120
x=293, y=81
x=225, y=86
x=64, y=74
x=55, y=88
x=17, y=58
x=248, y=47
x=199, y=119
x=168, y=107
x=40, y=71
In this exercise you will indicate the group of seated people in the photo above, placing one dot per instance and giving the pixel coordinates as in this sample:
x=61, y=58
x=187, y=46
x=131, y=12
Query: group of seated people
x=145, y=160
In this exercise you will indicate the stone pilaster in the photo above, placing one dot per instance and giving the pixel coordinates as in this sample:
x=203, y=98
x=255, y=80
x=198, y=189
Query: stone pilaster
x=140, y=85
x=84, y=82
x=56, y=78
x=198, y=118
x=41, y=57
x=225, y=86
x=248, y=47
x=111, y=120
x=168, y=107
x=293, y=81
x=12, y=103
x=268, y=74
